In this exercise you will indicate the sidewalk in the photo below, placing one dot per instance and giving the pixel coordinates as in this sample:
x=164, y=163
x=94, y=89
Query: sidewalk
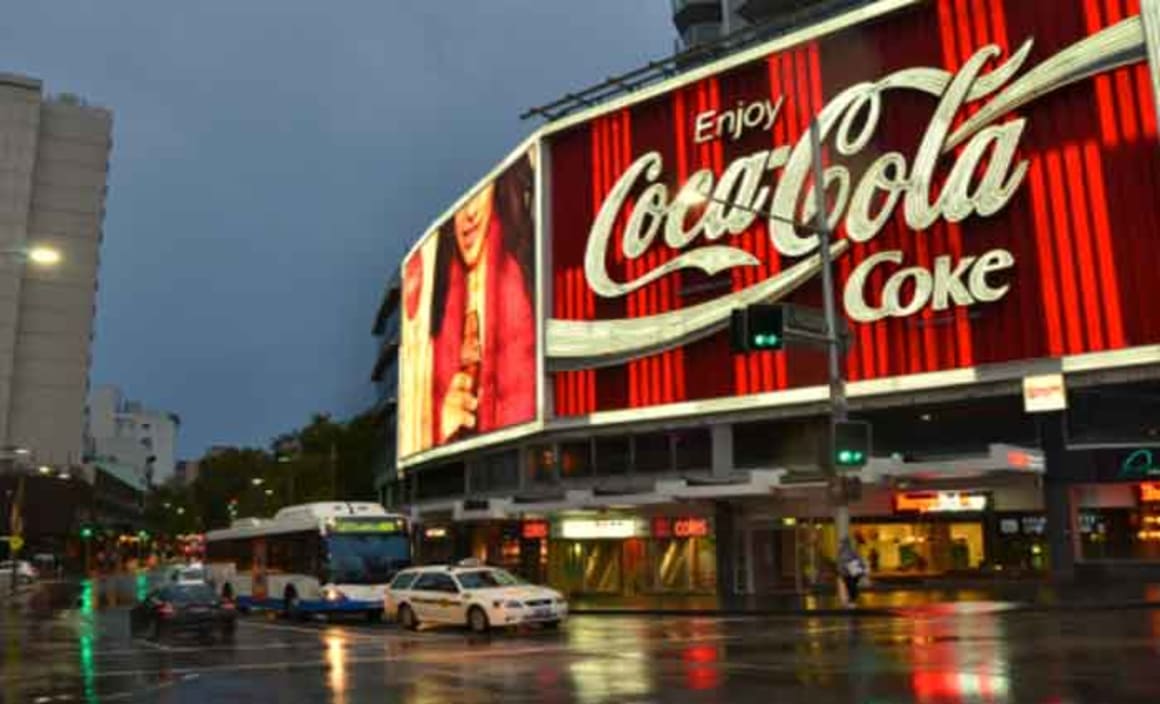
x=893, y=600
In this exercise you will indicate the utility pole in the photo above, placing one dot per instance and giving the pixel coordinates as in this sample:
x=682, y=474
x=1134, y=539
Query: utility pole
x=837, y=379
x=15, y=529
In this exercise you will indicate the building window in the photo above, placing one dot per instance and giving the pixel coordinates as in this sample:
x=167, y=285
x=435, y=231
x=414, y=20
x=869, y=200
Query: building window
x=653, y=453
x=576, y=459
x=613, y=456
x=496, y=472
x=541, y=464
x=693, y=449
x=441, y=482
x=754, y=445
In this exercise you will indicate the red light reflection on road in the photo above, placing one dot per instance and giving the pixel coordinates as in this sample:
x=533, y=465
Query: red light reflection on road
x=701, y=670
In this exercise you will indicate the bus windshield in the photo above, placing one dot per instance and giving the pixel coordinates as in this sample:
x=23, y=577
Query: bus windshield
x=367, y=558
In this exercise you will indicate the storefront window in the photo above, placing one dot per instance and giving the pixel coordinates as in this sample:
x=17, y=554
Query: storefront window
x=1118, y=521
x=921, y=548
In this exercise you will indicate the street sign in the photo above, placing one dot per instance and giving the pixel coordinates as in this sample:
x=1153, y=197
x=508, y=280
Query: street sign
x=806, y=325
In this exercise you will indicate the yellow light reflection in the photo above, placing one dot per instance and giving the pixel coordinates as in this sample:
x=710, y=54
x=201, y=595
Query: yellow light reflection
x=336, y=663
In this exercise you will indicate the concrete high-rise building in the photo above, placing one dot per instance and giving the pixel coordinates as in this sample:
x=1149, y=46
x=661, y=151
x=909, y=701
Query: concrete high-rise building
x=54, y=165
x=123, y=432
x=702, y=21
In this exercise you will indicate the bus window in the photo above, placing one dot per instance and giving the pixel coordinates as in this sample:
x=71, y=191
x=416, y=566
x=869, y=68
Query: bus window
x=367, y=558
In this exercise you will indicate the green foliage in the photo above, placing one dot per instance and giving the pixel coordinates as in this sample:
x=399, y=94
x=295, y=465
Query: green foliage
x=323, y=460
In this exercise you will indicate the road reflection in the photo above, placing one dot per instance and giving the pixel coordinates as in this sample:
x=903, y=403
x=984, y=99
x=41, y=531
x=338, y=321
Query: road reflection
x=336, y=665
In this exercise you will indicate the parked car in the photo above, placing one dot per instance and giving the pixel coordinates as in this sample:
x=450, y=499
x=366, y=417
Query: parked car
x=183, y=608
x=471, y=595
x=25, y=572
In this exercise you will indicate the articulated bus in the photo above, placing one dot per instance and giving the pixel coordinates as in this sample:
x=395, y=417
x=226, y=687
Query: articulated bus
x=326, y=557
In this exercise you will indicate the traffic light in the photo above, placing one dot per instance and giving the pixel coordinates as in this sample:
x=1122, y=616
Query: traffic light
x=86, y=532
x=757, y=327
x=851, y=444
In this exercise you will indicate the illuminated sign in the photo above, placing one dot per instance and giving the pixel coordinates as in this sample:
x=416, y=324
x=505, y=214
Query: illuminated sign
x=1141, y=463
x=1043, y=393
x=939, y=502
x=687, y=527
x=585, y=529
x=662, y=218
x=1150, y=492
x=365, y=525
x=535, y=530
x=435, y=533
x=690, y=527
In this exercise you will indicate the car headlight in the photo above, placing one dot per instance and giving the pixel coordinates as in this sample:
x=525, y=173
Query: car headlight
x=333, y=595
x=508, y=604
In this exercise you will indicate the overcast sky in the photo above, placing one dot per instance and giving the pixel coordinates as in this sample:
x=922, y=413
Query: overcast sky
x=273, y=158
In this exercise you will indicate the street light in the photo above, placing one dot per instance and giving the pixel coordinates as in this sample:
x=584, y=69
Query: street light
x=257, y=481
x=44, y=256
x=45, y=469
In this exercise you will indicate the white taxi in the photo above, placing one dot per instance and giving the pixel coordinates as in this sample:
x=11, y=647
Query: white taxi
x=471, y=595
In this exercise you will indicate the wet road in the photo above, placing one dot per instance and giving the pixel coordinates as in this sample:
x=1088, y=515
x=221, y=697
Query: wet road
x=976, y=653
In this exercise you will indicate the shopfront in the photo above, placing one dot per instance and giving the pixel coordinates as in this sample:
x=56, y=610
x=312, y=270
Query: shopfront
x=1117, y=522
x=633, y=555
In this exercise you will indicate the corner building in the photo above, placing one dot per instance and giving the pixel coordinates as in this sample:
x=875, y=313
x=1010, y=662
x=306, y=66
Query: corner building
x=568, y=403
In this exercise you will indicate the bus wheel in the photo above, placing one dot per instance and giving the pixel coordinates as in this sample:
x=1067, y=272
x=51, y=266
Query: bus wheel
x=290, y=605
x=407, y=618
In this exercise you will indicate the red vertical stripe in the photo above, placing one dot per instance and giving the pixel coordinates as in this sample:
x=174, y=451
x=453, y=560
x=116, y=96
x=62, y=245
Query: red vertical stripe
x=1066, y=260
x=1044, y=234
x=1109, y=278
x=1092, y=304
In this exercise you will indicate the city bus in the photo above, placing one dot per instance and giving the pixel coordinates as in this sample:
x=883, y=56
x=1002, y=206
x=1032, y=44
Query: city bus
x=319, y=558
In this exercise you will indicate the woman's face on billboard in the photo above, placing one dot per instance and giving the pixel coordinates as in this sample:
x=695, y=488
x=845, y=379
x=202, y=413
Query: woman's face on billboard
x=471, y=223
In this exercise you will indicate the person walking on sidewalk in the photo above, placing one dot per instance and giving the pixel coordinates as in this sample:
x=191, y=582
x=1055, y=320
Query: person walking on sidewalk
x=852, y=569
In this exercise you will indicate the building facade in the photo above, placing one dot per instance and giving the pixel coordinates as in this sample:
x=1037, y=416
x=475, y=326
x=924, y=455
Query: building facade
x=54, y=152
x=385, y=376
x=569, y=404
x=127, y=433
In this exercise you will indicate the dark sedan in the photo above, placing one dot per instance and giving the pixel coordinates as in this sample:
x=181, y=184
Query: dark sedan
x=183, y=608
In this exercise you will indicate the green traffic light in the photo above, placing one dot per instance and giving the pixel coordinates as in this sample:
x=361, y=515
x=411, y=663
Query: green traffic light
x=86, y=533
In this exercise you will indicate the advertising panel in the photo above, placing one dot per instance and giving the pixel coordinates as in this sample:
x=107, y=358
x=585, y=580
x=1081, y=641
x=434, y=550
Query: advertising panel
x=991, y=173
x=468, y=339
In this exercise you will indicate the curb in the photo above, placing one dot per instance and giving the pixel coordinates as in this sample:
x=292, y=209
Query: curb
x=869, y=612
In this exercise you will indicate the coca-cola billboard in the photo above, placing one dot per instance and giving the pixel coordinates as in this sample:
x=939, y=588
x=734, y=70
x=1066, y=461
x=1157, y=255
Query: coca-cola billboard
x=992, y=175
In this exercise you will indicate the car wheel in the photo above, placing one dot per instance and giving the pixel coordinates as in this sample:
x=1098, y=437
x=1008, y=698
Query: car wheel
x=551, y=625
x=374, y=616
x=407, y=618
x=477, y=620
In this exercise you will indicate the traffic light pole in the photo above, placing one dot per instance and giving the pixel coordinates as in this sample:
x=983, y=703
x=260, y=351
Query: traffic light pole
x=837, y=379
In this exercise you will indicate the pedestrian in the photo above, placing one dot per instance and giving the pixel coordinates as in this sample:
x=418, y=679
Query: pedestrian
x=852, y=569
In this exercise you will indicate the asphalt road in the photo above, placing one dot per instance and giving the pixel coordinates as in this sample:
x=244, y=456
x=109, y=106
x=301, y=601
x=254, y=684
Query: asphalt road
x=970, y=653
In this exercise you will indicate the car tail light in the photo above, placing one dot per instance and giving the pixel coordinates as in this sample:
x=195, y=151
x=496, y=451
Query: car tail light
x=166, y=611
x=227, y=605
